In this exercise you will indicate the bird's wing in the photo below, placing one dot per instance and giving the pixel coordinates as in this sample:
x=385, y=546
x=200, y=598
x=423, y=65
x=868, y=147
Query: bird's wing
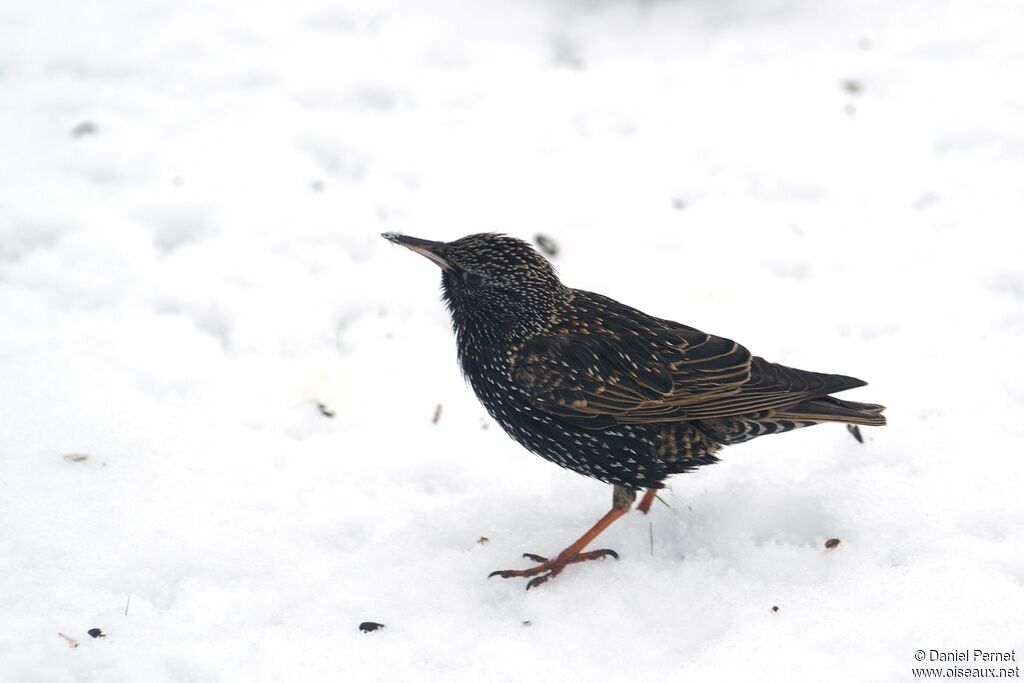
x=599, y=380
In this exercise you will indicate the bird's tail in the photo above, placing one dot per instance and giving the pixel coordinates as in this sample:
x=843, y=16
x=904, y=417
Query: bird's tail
x=831, y=409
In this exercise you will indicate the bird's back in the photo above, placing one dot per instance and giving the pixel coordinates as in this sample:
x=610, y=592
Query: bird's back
x=768, y=392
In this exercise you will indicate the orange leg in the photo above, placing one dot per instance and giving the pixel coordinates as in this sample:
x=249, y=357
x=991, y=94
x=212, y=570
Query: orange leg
x=647, y=501
x=549, y=569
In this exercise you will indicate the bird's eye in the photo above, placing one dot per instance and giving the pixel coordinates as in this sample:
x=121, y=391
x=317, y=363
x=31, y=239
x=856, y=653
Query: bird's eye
x=473, y=279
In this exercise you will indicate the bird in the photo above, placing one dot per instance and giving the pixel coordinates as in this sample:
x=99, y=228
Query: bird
x=606, y=390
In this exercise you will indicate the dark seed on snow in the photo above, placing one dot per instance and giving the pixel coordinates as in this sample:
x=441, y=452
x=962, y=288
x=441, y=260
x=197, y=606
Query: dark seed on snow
x=775, y=608
x=84, y=128
x=368, y=626
x=855, y=430
x=831, y=543
x=96, y=633
x=546, y=244
x=324, y=410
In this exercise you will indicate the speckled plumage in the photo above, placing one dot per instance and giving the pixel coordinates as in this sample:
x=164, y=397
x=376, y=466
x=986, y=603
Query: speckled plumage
x=604, y=389
x=505, y=377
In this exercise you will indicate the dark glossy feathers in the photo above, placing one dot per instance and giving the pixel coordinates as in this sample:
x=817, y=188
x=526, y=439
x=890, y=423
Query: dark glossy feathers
x=656, y=372
x=604, y=389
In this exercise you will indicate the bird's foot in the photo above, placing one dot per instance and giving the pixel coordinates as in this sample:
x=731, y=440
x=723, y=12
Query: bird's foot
x=549, y=569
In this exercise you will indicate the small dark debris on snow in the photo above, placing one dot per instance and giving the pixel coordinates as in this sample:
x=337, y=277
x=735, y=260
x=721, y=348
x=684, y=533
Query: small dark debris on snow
x=678, y=204
x=831, y=543
x=84, y=128
x=324, y=410
x=482, y=540
x=852, y=86
x=96, y=633
x=855, y=430
x=546, y=244
x=775, y=608
x=70, y=641
x=527, y=623
x=437, y=415
x=368, y=626
x=75, y=457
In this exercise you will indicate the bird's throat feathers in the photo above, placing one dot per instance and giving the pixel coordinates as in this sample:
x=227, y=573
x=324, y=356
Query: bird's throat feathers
x=488, y=319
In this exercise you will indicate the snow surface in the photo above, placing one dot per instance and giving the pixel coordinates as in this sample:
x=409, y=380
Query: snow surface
x=191, y=196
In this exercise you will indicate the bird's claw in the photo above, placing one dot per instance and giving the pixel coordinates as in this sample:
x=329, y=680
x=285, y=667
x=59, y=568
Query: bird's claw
x=504, y=573
x=538, y=580
x=595, y=554
x=549, y=569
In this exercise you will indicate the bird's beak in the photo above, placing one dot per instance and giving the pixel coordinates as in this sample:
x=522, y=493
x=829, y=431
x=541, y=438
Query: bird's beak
x=432, y=250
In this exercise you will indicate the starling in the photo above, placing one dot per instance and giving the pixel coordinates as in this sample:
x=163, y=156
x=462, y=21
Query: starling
x=606, y=390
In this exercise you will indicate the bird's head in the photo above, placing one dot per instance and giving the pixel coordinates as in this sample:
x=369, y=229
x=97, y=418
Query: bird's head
x=492, y=283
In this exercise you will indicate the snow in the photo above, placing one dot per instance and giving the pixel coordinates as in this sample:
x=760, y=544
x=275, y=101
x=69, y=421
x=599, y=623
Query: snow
x=191, y=198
